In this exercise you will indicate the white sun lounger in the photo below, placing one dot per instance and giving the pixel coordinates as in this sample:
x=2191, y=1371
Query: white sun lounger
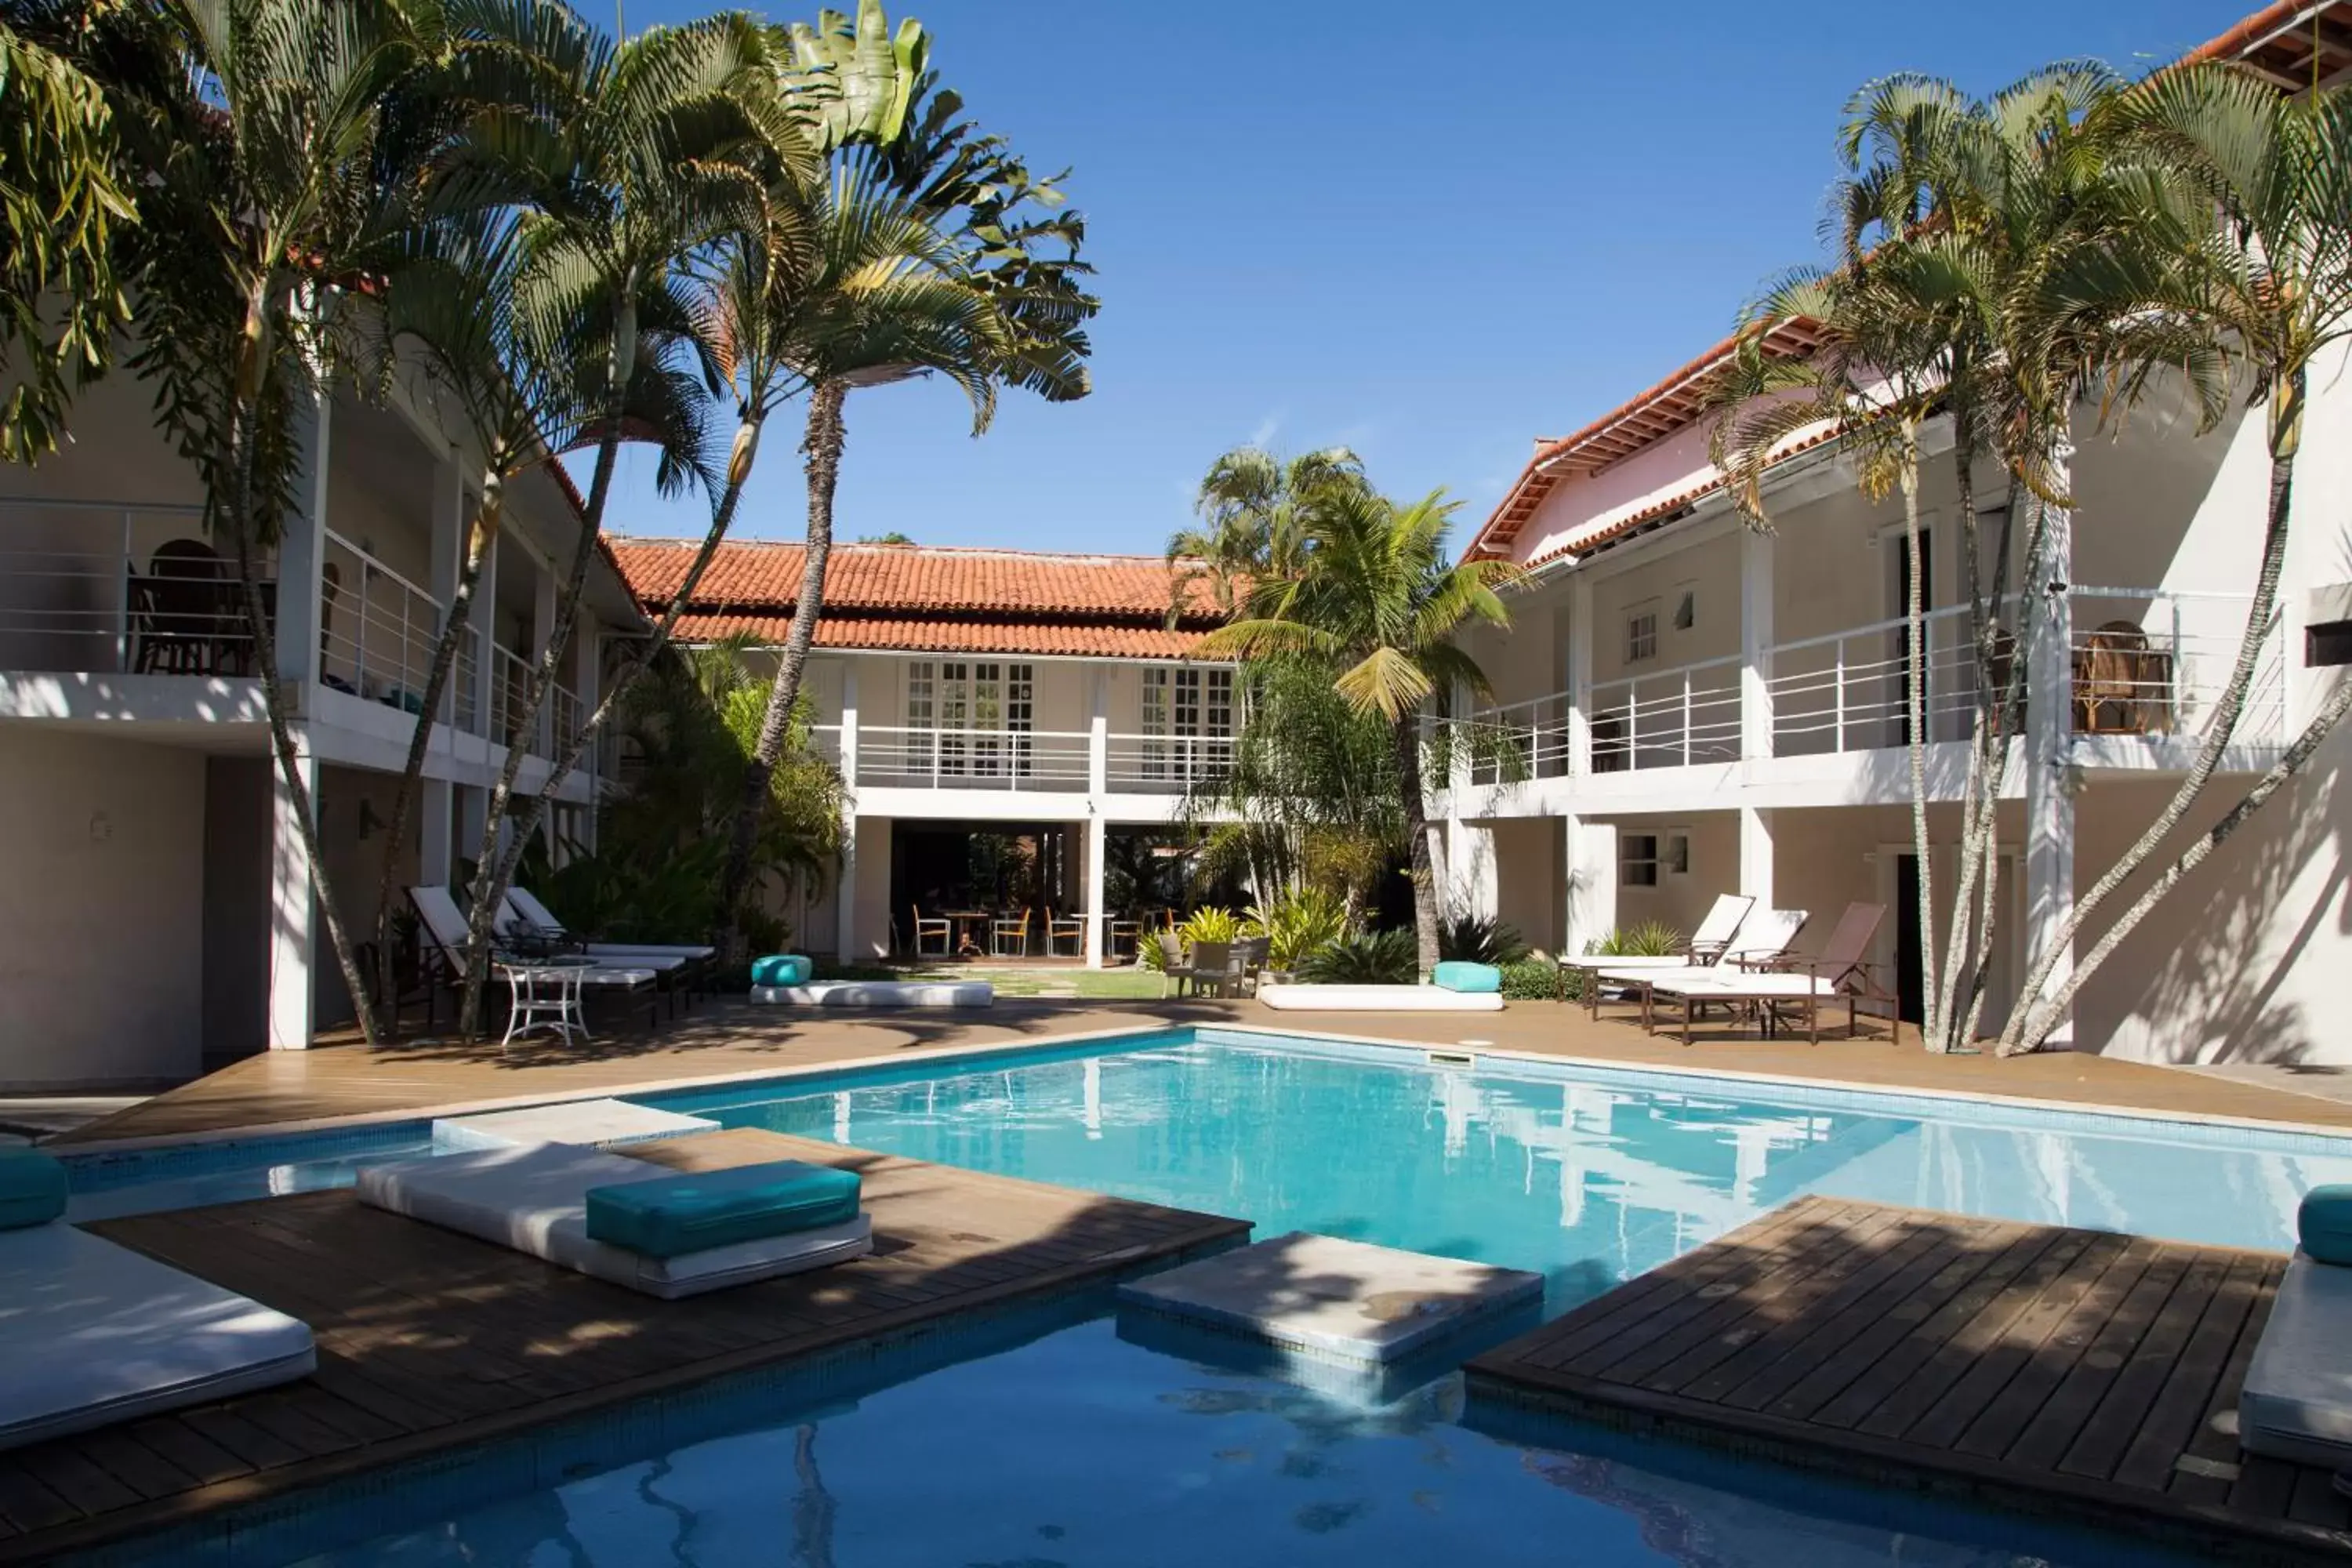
x=1764, y=938
x=1378, y=999
x=444, y=927
x=526, y=914
x=92, y=1333
x=533, y=1197
x=2297, y=1401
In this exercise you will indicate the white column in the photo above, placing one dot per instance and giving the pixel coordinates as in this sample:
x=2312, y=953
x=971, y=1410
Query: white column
x=448, y=523
x=435, y=809
x=542, y=628
x=845, y=921
x=849, y=728
x=1756, y=856
x=1592, y=881
x=2049, y=761
x=1097, y=736
x=1579, y=676
x=302, y=547
x=587, y=668
x=485, y=623
x=1755, y=640
x=293, y=912
x=1098, y=917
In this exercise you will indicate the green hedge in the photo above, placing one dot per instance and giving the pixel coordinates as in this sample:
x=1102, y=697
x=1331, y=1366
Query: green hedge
x=1534, y=979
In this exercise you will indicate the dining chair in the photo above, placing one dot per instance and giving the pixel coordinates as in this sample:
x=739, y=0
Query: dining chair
x=938, y=926
x=1172, y=970
x=1065, y=927
x=1124, y=938
x=1004, y=929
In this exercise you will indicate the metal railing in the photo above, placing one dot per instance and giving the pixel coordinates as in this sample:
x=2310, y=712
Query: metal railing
x=1850, y=690
x=1667, y=718
x=2158, y=661
x=465, y=683
x=111, y=587
x=1165, y=764
x=377, y=629
x=1518, y=740
x=1005, y=758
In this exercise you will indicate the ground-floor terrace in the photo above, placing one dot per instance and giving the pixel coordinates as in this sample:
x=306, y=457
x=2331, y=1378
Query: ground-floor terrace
x=455, y=1366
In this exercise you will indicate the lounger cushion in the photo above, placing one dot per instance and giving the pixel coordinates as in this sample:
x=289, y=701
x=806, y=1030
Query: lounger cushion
x=1454, y=974
x=533, y=1197
x=2297, y=1403
x=92, y=1333
x=2324, y=1222
x=32, y=1186
x=1378, y=999
x=782, y=969
x=695, y=1211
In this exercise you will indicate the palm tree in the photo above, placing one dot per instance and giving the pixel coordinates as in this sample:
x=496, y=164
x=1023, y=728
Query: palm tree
x=640, y=153
x=63, y=192
x=1252, y=505
x=1008, y=313
x=1378, y=605
x=2271, y=282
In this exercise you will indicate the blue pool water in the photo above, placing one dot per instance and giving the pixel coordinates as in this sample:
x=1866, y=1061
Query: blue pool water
x=1084, y=1447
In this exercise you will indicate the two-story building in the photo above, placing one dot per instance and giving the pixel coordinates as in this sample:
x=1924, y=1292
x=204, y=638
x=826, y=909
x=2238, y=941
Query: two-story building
x=964, y=690
x=156, y=907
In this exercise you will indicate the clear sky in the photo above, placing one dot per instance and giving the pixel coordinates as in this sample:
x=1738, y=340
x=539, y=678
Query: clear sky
x=1432, y=232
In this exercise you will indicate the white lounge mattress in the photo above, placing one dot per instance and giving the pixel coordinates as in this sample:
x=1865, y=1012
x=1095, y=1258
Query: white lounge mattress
x=533, y=1197
x=1378, y=999
x=2297, y=1403
x=881, y=994
x=92, y=1333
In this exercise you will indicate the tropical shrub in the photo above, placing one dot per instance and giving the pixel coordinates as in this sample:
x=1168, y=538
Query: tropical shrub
x=1536, y=980
x=1366, y=958
x=1481, y=939
x=1651, y=939
x=1212, y=924
x=1297, y=924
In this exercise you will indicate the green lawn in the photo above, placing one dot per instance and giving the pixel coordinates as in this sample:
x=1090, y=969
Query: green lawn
x=1089, y=985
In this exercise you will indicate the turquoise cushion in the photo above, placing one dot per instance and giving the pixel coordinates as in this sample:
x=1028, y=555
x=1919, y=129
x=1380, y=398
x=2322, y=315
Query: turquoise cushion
x=2324, y=1223
x=782, y=969
x=1456, y=976
x=693, y=1213
x=32, y=1186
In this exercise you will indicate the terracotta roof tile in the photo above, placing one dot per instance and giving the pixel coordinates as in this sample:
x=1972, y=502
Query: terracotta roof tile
x=923, y=598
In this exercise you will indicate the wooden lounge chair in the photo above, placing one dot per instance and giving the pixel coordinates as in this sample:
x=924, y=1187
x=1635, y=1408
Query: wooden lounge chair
x=1706, y=944
x=1796, y=983
x=1762, y=940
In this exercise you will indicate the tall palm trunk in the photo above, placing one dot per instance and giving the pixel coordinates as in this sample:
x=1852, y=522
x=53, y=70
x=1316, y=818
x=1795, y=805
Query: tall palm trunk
x=245, y=442
x=481, y=538
x=1419, y=856
x=823, y=443
x=1915, y=707
x=2030, y=1023
x=570, y=749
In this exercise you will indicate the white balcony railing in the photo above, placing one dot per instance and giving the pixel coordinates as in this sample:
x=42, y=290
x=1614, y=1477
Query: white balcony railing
x=1165, y=764
x=1667, y=718
x=377, y=629
x=1519, y=740
x=103, y=588
x=1005, y=759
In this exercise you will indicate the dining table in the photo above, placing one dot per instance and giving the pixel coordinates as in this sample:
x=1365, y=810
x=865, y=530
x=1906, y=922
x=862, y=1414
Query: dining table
x=967, y=926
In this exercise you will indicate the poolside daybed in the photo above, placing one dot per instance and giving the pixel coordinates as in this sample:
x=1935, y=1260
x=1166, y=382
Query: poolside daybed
x=1378, y=999
x=2297, y=1401
x=536, y=1198
x=92, y=1333
x=881, y=994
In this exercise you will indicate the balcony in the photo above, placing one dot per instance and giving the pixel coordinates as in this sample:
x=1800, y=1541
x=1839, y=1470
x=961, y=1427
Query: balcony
x=2148, y=666
x=1026, y=761
x=106, y=589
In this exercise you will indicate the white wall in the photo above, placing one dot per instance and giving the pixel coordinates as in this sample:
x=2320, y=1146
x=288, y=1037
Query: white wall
x=101, y=912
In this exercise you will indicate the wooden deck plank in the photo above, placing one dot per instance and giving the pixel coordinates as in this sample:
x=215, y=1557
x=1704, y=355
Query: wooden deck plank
x=428, y=1340
x=2084, y=1374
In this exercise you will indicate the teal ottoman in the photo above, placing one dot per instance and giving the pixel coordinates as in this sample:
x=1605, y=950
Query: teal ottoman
x=782, y=969
x=32, y=1186
x=2324, y=1224
x=671, y=1216
x=1454, y=974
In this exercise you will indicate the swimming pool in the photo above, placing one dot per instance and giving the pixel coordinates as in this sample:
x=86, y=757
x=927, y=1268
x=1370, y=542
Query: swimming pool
x=1588, y=1175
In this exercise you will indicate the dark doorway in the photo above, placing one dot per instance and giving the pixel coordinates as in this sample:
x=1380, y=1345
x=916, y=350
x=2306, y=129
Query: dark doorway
x=973, y=873
x=1903, y=651
x=1911, y=998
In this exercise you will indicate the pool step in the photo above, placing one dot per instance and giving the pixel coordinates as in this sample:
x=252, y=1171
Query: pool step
x=597, y=1122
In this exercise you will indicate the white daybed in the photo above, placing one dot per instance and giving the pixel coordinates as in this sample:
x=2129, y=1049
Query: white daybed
x=2296, y=1402
x=92, y=1333
x=1378, y=999
x=881, y=994
x=533, y=1197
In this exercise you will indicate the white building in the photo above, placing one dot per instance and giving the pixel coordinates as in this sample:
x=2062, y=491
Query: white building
x=155, y=913
x=975, y=691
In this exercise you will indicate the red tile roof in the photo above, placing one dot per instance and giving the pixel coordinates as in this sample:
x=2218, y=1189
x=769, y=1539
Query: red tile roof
x=927, y=598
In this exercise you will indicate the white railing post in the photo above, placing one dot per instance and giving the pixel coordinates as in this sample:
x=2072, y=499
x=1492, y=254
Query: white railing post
x=1755, y=635
x=1580, y=675
x=122, y=604
x=1839, y=687
x=846, y=742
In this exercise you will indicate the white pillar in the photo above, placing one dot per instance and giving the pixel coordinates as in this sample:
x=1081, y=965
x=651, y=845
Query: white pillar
x=293, y=912
x=845, y=921
x=1097, y=736
x=1755, y=640
x=2049, y=762
x=1592, y=881
x=543, y=630
x=448, y=523
x=1756, y=856
x=849, y=728
x=1579, y=676
x=1098, y=917
x=302, y=547
x=485, y=623
x=435, y=812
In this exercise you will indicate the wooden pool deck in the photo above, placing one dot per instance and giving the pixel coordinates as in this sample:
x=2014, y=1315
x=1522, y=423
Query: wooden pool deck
x=2073, y=1372
x=735, y=1040
x=429, y=1340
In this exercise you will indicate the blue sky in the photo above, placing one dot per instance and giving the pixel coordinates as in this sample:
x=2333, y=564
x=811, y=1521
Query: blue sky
x=1431, y=232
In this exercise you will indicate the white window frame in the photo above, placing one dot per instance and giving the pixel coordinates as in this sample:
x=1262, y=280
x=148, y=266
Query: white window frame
x=1640, y=632
x=1652, y=856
